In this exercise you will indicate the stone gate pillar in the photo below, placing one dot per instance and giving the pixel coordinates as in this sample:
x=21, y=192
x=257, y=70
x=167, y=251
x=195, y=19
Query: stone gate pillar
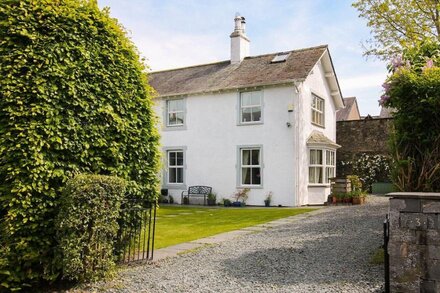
x=414, y=243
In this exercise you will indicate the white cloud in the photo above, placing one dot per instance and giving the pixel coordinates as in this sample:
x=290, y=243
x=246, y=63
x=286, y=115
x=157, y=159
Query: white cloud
x=362, y=81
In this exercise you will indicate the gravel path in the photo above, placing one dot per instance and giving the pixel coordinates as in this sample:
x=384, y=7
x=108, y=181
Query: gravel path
x=326, y=252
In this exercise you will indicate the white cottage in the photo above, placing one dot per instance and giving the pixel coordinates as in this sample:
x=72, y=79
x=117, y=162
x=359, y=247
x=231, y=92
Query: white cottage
x=264, y=122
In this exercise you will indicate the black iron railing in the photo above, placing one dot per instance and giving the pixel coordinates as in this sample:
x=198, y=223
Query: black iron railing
x=137, y=227
x=386, y=237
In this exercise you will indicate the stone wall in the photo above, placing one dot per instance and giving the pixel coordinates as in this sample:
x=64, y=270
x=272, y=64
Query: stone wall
x=361, y=136
x=414, y=243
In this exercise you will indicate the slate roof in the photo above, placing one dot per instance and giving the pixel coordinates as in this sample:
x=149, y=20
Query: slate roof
x=252, y=71
x=318, y=138
x=342, y=115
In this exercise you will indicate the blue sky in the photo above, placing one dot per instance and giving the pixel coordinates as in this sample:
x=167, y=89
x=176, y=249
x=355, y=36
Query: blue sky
x=178, y=33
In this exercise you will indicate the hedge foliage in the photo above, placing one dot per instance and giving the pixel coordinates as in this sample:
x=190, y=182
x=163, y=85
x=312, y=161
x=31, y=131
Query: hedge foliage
x=413, y=90
x=87, y=225
x=74, y=98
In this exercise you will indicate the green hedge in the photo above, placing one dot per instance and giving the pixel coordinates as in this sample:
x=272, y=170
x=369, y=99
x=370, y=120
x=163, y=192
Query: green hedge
x=413, y=90
x=74, y=98
x=87, y=225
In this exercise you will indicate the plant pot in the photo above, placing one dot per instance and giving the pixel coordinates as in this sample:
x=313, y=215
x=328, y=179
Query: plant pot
x=357, y=200
x=334, y=199
x=347, y=200
x=267, y=203
x=211, y=202
x=185, y=200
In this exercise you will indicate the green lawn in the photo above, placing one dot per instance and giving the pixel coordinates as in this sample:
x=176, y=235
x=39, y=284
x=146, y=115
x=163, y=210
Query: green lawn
x=176, y=224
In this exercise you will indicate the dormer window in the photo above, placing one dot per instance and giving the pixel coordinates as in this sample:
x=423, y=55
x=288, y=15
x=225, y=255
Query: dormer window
x=251, y=107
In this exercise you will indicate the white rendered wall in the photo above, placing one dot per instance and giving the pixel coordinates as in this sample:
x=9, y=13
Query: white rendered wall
x=315, y=83
x=212, y=136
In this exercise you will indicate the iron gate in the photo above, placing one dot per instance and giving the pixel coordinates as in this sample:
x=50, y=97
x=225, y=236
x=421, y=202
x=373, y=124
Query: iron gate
x=137, y=227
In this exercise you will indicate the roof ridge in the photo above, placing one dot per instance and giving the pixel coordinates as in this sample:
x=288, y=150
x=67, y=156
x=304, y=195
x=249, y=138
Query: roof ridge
x=290, y=51
x=192, y=66
x=249, y=57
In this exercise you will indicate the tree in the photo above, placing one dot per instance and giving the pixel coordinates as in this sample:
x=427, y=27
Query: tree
x=74, y=98
x=413, y=90
x=397, y=24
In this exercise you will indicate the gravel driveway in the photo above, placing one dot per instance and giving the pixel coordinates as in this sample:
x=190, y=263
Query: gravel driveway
x=326, y=252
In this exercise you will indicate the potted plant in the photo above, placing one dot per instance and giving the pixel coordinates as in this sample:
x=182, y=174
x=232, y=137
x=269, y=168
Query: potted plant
x=212, y=198
x=268, y=199
x=340, y=197
x=240, y=196
x=334, y=198
x=348, y=197
x=226, y=202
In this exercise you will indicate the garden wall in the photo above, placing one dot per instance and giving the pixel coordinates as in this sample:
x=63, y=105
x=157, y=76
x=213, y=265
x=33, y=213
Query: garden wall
x=414, y=242
x=361, y=136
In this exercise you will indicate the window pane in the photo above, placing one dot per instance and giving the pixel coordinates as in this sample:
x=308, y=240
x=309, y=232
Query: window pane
x=172, y=158
x=330, y=173
x=256, y=97
x=246, y=160
x=179, y=158
x=179, y=118
x=179, y=105
x=256, y=176
x=246, y=176
x=172, y=175
x=246, y=99
x=172, y=105
x=255, y=157
x=319, y=157
x=256, y=113
x=319, y=175
x=172, y=119
x=312, y=157
x=312, y=175
x=179, y=175
x=246, y=115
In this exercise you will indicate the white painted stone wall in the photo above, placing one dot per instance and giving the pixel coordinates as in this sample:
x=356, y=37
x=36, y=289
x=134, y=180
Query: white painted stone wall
x=315, y=83
x=212, y=136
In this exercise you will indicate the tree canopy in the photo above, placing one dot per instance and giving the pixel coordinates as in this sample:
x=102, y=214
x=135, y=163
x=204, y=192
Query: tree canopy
x=74, y=98
x=397, y=24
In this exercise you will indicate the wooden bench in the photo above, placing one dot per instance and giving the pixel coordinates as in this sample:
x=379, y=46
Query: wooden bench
x=197, y=191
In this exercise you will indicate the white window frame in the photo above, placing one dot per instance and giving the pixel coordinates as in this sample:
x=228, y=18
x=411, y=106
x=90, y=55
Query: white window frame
x=318, y=111
x=240, y=165
x=241, y=107
x=167, y=113
x=166, y=171
x=325, y=166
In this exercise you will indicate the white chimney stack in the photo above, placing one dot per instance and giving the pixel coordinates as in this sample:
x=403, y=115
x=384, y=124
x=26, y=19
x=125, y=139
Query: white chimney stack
x=239, y=40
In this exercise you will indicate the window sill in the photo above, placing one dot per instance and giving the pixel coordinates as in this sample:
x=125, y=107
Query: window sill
x=174, y=128
x=318, y=185
x=318, y=125
x=175, y=186
x=250, y=186
x=249, y=123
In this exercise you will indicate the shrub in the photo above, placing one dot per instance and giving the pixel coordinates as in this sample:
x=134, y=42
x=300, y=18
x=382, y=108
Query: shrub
x=241, y=194
x=413, y=90
x=74, y=99
x=370, y=168
x=87, y=225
